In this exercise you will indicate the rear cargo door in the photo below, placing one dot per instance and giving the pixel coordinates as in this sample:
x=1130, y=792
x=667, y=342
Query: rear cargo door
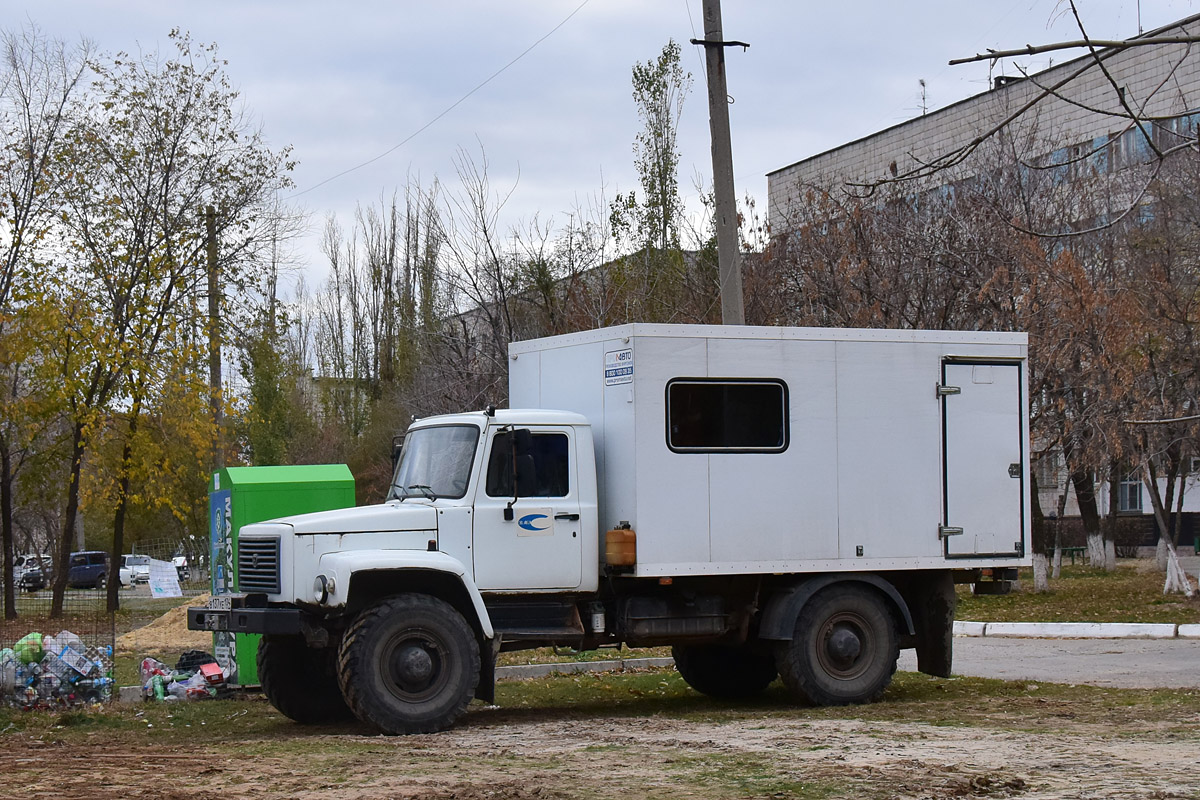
x=982, y=466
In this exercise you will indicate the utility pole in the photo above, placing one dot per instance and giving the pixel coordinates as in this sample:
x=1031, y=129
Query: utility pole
x=729, y=264
x=214, y=339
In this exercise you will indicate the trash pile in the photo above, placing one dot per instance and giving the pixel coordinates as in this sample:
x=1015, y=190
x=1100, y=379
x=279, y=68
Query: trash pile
x=55, y=672
x=196, y=676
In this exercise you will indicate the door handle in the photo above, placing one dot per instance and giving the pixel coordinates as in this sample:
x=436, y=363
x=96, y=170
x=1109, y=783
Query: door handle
x=571, y=517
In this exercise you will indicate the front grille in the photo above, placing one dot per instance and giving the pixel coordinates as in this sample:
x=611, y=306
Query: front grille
x=258, y=565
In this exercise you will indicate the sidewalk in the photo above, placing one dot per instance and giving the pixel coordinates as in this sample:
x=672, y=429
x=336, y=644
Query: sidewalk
x=973, y=630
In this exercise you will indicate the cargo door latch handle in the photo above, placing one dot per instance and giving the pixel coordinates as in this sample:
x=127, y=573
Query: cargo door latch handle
x=571, y=517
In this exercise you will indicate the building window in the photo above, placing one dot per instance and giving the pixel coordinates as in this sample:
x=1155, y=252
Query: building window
x=1050, y=470
x=1129, y=494
x=710, y=415
x=542, y=472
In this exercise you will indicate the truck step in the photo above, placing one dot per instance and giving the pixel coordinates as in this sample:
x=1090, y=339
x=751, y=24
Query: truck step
x=556, y=634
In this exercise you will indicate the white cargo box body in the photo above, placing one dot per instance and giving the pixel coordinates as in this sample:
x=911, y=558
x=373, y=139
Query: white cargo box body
x=874, y=449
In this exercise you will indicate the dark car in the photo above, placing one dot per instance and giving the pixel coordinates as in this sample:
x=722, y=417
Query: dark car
x=89, y=569
x=32, y=580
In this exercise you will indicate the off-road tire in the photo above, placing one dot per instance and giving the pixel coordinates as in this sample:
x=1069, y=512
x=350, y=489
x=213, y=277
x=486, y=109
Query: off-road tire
x=725, y=672
x=844, y=648
x=409, y=664
x=300, y=681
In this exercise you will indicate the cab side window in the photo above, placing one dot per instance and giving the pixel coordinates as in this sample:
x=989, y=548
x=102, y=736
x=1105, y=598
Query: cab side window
x=542, y=472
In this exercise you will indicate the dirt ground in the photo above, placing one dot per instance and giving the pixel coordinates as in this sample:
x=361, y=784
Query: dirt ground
x=1050, y=748
x=523, y=755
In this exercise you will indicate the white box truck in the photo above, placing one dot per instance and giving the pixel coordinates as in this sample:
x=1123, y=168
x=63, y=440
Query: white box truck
x=788, y=502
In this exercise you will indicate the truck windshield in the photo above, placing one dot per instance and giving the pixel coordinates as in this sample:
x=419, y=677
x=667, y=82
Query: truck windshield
x=436, y=462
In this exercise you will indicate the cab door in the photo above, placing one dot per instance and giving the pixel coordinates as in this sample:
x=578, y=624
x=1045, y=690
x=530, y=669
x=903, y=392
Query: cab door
x=526, y=531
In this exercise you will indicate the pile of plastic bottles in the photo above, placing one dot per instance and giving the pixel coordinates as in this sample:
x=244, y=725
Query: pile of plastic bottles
x=160, y=682
x=55, y=672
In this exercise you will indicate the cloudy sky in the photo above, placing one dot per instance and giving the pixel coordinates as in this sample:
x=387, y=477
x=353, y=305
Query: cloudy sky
x=345, y=82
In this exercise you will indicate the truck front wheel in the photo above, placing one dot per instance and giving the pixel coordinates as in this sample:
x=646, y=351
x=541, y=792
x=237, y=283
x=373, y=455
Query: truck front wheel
x=301, y=682
x=724, y=672
x=409, y=664
x=844, y=648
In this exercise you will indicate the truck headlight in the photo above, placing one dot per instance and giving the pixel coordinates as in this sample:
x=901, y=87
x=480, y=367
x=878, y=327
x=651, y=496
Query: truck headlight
x=323, y=587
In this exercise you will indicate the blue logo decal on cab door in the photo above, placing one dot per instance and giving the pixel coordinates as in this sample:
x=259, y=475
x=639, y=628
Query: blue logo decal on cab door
x=534, y=522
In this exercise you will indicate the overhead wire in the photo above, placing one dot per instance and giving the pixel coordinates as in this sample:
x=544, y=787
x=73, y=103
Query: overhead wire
x=447, y=110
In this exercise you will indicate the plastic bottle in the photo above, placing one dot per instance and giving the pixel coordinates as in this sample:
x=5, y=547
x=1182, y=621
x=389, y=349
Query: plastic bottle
x=156, y=684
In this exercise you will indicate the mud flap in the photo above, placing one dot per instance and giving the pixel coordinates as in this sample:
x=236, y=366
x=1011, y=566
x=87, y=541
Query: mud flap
x=934, y=602
x=485, y=690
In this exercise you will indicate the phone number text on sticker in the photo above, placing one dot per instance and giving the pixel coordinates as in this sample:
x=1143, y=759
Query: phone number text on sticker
x=618, y=367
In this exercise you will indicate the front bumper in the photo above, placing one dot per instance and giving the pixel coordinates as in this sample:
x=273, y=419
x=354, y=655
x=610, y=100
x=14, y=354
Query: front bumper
x=275, y=621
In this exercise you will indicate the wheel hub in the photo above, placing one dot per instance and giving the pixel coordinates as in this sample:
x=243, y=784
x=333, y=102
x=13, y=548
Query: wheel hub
x=844, y=645
x=413, y=666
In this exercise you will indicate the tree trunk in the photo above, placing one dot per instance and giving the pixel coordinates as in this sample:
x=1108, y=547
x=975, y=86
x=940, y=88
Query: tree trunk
x=1085, y=494
x=1038, y=530
x=6, y=529
x=1040, y=581
x=63, y=565
x=1160, y=516
x=118, y=540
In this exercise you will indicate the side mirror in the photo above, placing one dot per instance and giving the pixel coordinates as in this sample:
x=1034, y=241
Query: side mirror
x=397, y=449
x=522, y=442
x=519, y=448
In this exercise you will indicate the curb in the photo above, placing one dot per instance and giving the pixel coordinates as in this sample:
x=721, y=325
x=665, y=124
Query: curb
x=1077, y=630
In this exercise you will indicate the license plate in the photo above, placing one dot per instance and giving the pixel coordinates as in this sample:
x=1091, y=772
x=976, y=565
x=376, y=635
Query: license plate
x=216, y=622
x=219, y=604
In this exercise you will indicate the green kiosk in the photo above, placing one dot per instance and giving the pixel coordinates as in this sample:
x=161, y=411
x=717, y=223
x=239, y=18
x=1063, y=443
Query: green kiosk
x=244, y=495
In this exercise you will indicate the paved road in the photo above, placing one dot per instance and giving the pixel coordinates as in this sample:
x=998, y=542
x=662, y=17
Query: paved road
x=1119, y=663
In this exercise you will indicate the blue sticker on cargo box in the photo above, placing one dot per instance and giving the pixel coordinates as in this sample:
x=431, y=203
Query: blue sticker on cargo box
x=618, y=367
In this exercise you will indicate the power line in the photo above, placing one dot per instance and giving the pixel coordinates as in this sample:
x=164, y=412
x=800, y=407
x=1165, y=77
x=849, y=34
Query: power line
x=448, y=109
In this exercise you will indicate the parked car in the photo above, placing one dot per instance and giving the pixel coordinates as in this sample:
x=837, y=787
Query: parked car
x=134, y=569
x=27, y=561
x=33, y=579
x=89, y=569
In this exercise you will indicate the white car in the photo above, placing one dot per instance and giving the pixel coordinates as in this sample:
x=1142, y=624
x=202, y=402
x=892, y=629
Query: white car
x=134, y=569
x=26, y=562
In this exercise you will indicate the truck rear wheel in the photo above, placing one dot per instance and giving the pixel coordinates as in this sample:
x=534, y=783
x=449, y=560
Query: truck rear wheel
x=844, y=648
x=300, y=681
x=409, y=664
x=724, y=672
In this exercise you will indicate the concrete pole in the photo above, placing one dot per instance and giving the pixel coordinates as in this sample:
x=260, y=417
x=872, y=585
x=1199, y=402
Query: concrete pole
x=729, y=263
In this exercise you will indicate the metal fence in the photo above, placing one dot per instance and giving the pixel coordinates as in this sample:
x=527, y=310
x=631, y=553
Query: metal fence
x=57, y=661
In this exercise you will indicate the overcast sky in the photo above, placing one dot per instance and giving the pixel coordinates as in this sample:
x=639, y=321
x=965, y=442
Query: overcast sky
x=343, y=82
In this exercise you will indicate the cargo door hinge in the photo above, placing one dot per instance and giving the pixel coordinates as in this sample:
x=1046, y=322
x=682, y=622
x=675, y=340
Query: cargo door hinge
x=945, y=531
x=946, y=391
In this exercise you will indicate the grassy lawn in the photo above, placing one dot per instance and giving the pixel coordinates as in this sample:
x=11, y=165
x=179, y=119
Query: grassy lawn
x=1133, y=593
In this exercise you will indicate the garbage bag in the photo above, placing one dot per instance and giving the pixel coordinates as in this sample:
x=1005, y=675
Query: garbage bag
x=29, y=648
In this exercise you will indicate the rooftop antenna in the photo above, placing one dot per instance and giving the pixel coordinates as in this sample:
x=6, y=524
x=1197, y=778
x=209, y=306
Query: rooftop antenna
x=1139, y=15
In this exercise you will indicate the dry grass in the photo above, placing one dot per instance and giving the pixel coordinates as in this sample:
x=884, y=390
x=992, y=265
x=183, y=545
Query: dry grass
x=1131, y=594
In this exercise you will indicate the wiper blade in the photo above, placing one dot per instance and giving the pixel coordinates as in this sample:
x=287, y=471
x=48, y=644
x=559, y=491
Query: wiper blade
x=427, y=491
